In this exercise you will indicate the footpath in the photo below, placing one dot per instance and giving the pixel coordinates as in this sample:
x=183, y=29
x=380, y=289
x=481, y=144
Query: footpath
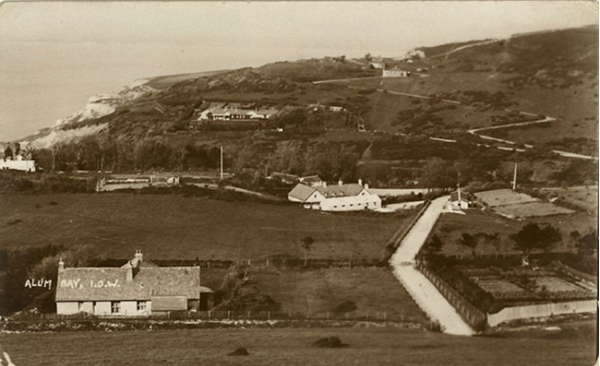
x=425, y=294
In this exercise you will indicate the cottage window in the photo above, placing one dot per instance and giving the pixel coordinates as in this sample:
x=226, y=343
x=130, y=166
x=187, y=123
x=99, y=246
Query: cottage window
x=115, y=307
x=80, y=305
x=141, y=306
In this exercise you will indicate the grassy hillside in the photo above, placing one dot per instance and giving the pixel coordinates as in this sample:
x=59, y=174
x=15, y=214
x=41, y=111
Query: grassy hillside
x=175, y=227
x=547, y=74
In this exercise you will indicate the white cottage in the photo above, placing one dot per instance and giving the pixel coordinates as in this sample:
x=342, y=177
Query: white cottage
x=340, y=197
x=137, y=288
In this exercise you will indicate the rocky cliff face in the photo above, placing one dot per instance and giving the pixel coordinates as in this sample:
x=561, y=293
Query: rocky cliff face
x=100, y=105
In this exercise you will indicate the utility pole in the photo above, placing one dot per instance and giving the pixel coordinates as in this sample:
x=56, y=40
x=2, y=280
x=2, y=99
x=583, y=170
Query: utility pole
x=515, y=178
x=221, y=162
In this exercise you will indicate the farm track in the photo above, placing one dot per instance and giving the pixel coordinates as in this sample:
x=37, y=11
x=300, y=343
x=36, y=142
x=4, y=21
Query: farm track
x=425, y=294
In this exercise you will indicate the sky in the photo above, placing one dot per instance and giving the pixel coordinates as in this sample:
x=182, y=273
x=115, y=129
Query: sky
x=55, y=55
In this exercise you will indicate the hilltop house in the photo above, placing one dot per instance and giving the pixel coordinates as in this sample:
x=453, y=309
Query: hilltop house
x=235, y=111
x=340, y=197
x=137, y=288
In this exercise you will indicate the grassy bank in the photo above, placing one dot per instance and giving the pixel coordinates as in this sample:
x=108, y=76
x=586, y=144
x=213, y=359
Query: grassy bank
x=366, y=346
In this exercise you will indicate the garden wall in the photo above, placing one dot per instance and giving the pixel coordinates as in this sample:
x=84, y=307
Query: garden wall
x=473, y=316
x=541, y=310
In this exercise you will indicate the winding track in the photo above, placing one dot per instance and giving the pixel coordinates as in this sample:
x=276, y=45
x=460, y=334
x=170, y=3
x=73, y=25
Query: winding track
x=476, y=131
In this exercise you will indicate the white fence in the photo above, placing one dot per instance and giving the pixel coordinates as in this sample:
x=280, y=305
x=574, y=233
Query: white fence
x=542, y=311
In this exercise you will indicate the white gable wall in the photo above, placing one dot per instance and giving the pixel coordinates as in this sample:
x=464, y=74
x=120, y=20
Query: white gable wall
x=353, y=203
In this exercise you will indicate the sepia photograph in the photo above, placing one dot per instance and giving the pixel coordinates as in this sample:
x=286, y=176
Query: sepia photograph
x=299, y=183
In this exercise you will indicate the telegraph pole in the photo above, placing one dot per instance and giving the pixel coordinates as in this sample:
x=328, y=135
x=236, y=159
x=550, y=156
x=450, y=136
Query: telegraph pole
x=221, y=162
x=515, y=178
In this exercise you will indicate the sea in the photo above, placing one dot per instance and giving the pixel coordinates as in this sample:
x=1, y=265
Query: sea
x=42, y=82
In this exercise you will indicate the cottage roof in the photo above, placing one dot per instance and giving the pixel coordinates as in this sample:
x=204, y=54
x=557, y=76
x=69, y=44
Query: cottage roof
x=311, y=179
x=301, y=192
x=464, y=196
x=111, y=284
x=340, y=190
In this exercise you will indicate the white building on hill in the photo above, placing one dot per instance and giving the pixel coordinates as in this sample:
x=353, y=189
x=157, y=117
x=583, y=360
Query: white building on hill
x=138, y=288
x=395, y=73
x=340, y=197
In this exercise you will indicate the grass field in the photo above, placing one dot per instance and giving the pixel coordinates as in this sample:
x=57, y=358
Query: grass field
x=175, y=227
x=585, y=197
x=532, y=209
x=449, y=227
x=374, y=290
x=573, y=346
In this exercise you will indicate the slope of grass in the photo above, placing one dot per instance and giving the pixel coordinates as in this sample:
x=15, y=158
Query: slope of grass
x=374, y=290
x=176, y=227
x=367, y=346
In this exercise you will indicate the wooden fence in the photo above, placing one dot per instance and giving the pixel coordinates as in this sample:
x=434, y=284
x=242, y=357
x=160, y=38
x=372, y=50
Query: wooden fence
x=476, y=318
x=233, y=315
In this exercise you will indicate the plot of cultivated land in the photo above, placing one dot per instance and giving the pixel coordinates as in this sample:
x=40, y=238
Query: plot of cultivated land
x=531, y=209
x=556, y=284
x=374, y=291
x=175, y=227
x=293, y=347
x=503, y=197
x=502, y=289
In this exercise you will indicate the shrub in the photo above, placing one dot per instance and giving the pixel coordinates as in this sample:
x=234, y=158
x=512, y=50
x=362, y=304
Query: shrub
x=345, y=307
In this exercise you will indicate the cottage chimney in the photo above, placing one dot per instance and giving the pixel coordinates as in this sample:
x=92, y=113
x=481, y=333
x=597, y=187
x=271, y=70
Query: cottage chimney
x=324, y=184
x=340, y=182
x=139, y=256
x=129, y=271
x=61, y=265
x=360, y=182
x=366, y=186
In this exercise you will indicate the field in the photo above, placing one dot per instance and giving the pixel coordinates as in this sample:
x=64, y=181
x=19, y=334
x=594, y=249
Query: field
x=449, y=227
x=585, y=197
x=374, y=290
x=503, y=197
x=572, y=346
x=532, y=209
x=176, y=227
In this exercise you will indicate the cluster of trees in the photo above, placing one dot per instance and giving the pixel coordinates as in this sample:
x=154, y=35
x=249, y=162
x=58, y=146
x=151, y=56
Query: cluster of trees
x=17, y=266
x=532, y=237
x=98, y=154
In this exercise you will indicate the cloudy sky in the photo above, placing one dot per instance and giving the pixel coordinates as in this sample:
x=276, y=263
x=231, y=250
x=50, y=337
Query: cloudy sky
x=54, y=55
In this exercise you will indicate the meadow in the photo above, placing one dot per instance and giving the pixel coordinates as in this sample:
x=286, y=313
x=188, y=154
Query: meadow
x=374, y=290
x=177, y=227
x=572, y=346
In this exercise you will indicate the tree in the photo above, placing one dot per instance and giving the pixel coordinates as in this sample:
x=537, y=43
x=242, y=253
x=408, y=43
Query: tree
x=368, y=57
x=531, y=237
x=8, y=152
x=468, y=241
x=307, y=244
x=587, y=245
x=434, y=245
x=491, y=239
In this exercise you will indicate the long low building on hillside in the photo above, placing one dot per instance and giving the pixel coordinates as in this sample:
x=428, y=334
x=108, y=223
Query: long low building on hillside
x=138, y=288
x=340, y=197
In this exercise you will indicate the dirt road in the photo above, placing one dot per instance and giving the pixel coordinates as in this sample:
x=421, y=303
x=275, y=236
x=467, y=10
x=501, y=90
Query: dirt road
x=418, y=286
